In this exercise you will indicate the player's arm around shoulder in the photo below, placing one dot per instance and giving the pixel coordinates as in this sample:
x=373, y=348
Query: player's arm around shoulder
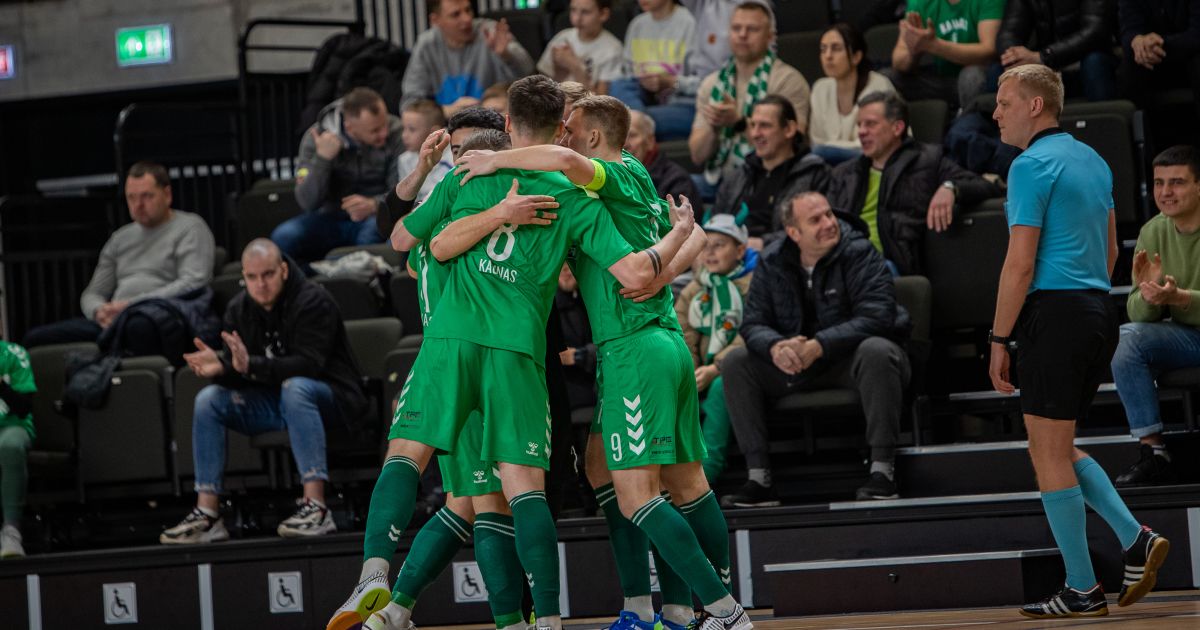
x=549, y=158
x=514, y=210
x=640, y=269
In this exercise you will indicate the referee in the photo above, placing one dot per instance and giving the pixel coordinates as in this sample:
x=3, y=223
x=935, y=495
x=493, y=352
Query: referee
x=1054, y=309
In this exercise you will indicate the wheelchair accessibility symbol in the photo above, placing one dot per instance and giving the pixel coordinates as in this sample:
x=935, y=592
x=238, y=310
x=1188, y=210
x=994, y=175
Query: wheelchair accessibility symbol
x=285, y=592
x=468, y=583
x=120, y=603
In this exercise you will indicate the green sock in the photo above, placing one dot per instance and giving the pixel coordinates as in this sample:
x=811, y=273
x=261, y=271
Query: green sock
x=716, y=430
x=432, y=551
x=496, y=553
x=675, y=591
x=391, y=508
x=707, y=520
x=670, y=533
x=630, y=546
x=537, y=546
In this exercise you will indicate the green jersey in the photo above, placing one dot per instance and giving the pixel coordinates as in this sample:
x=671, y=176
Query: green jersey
x=425, y=222
x=500, y=291
x=16, y=371
x=641, y=217
x=957, y=22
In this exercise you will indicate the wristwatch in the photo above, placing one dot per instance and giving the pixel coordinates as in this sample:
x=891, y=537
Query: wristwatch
x=993, y=338
x=951, y=186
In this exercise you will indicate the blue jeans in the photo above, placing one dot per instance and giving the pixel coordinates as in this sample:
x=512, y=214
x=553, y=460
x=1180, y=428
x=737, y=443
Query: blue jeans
x=672, y=121
x=296, y=407
x=1145, y=351
x=310, y=236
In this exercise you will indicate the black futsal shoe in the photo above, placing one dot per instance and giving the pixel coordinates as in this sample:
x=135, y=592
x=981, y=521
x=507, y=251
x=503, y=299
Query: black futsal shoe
x=1069, y=603
x=1142, y=560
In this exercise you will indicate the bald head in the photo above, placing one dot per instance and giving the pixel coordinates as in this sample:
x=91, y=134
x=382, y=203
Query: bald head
x=264, y=271
x=262, y=248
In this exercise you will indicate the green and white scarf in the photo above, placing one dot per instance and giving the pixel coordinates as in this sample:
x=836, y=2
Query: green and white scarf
x=716, y=311
x=733, y=142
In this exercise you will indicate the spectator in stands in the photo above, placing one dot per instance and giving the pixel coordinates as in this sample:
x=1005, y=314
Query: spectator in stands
x=899, y=186
x=163, y=253
x=286, y=366
x=821, y=313
x=495, y=98
x=16, y=434
x=579, y=358
x=668, y=176
x=401, y=200
x=1066, y=32
x=348, y=163
x=1161, y=40
x=586, y=52
x=961, y=38
x=779, y=167
x=656, y=42
x=420, y=118
x=727, y=96
x=460, y=56
x=573, y=91
x=1166, y=284
x=710, y=311
x=833, y=117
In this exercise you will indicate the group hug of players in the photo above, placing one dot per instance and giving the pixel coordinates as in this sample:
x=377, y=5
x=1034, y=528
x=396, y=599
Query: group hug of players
x=487, y=246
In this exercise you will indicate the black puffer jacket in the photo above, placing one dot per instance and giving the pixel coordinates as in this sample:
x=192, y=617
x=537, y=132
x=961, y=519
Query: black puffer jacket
x=910, y=178
x=303, y=335
x=855, y=296
x=807, y=172
x=349, y=60
x=1063, y=30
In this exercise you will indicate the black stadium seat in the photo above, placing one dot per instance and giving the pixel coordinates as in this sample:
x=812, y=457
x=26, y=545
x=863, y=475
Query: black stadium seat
x=802, y=52
x=794, y=16
x=963, y=266
x=526, y=27
x=354, y=297
x=928, y=119
x=261, y=208
x=880, y=42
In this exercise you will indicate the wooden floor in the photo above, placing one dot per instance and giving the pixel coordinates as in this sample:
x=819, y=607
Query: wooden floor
x=1160, y=611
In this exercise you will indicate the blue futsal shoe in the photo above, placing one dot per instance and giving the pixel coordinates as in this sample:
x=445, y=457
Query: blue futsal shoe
x=630, y=621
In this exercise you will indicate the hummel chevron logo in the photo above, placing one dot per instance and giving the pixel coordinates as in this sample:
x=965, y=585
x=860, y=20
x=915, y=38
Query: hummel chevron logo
x=637, y=448
x=404, y=392
x=725, y=576
x=635, y=435
x=394, y=533
x=632, y=404
x=529, y=578
x=634, y=419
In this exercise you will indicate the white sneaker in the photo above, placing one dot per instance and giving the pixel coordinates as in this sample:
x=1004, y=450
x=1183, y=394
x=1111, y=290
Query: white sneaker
x=312, y=519
x=737, y=620
x=387, y=618
x=10, y=542
x=371, y=595
x=196, y=527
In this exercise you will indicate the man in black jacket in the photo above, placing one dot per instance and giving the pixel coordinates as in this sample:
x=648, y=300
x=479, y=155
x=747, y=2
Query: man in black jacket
x=901, y=187
x=821, y=312
x=287, y=366
x=780, y=166
x=1161, y=40
x=1066, y=32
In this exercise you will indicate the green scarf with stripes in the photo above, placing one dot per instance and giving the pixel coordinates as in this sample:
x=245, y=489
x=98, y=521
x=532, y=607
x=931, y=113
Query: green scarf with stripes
x=732, y=142
x=716, y=311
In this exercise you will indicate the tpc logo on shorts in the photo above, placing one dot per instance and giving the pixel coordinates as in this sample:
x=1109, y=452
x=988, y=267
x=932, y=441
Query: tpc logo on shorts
x=532, y=448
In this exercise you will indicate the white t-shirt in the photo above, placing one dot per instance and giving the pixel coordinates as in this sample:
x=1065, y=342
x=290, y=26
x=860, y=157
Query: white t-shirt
x=602, y=56
x=826, y=125
x=407, y=163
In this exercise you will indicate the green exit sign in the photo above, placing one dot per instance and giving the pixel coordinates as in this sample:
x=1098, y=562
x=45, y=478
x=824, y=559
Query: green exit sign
x=144, y=45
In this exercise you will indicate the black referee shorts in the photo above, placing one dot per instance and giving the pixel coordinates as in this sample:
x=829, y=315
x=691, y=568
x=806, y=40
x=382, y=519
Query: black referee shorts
x=1065, y=341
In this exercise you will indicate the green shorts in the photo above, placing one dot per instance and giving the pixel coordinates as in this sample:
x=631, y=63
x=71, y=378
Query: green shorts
x=452, y=378
x=464, y=471
x=649, y=412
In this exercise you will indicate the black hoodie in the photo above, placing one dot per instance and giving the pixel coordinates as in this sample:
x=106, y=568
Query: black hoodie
x=302, y=335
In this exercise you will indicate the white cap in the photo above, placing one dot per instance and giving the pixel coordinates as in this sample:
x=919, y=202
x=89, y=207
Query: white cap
x=726, y=224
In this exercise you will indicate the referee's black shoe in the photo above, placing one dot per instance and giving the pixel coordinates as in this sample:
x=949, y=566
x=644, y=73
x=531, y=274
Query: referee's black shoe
x=1069, y=603
x=1142, y=560
x=752, y=494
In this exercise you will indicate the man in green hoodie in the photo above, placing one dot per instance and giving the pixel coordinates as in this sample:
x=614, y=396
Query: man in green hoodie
x=1166, y=286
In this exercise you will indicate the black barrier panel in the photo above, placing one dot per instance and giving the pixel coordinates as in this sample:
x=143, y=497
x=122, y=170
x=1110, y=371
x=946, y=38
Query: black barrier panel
x=244, y=594
x=14, y=603
x=161, y=598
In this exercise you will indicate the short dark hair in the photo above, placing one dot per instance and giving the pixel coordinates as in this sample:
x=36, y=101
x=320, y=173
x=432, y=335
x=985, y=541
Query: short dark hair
x=1180, y=155
x=487, y=139
x=787, y=111
x=758, y=5
x=153, y=169
x=435, y=6
x=362, y=98
x=535, y=104
x=475, y=118
x=609, y=115
x=894, y=106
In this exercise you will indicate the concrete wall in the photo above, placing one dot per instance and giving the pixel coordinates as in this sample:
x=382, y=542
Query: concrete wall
x=66, y=47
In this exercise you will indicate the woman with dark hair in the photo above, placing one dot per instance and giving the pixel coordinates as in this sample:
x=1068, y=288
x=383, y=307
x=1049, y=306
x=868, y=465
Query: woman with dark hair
x=834, y=100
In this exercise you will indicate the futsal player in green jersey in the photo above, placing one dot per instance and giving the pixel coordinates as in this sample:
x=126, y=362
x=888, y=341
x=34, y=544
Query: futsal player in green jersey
x=485, y=345
x=649, y=429
x=473, y=499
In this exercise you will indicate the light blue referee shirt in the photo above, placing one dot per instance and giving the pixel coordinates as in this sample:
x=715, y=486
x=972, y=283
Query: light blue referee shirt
x=1064, y=187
